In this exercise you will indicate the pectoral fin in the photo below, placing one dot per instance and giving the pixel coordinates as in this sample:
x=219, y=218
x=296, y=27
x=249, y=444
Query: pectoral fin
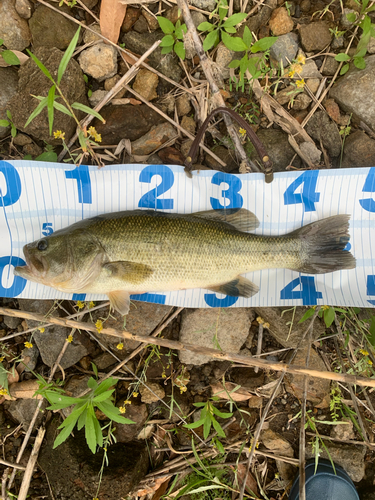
x=131, y=272
x=120, y=301
x=239, y=287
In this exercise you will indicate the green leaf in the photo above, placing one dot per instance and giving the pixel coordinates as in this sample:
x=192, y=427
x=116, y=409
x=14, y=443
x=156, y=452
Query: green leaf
x=105, y=385
x=82, y=419
x=233, y=43
x=62, y=108
x=344, y=69
x=13, y=130
x=167, y=41
x=205, y=26
x=64, y=434
x=231, y=30
x=90, y=433
x=195, y=425
x=86, y=109
x=9, y=115
x=219, y=446
x=307, y=315
x=253, y=66
x=10, y=57
x=37, y=110
x=206, y=427
x=103, y=397
x=218, y=428
x=67, y=56
x=47, y=156
x=243, y=64
x=342, y=57
x=351, y=17
x=329, y=316
x=41, y=66
x=113, y=413
x=92, y=384
x=223, y=12
x=167, y=50
x=50, y=101
x=1, y=41
x=234, y=64
x=372, y=331
x=94, y=369
x=221, y=414
x=210, y=40
x=359, y=62
x=263, y=44
x=180, y=49
x=247, y=37
x=4, y=123
x=98, y=432
x=234, y=19
x=165, y=25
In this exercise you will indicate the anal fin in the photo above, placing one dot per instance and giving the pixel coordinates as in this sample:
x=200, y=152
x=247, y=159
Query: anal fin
x=239, y=287
x=120, y=301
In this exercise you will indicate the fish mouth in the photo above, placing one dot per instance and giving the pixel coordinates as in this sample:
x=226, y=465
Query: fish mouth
x=35, y=268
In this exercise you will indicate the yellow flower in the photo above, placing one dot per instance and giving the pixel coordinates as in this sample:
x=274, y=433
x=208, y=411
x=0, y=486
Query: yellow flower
x=120, y=346
x=59, y=135
x=183, y=389
x=364, y=352
x=2, y=358
x=3, y=392
x=80, y=304
x=325, y=308
x=122, y=409
x=291, y=73
x=42, y=329
x=127, y=402
x=69, y=339
x=369, y=362
x=99, y=325
x=266, y=325
x=242, y=131
x=94, y=134
x=135, y=394
x=91, y=304
x=301, y=59
x=28, y=345
x=300, y=83
x=164, y=375
x=294, y=68
x=260, y=320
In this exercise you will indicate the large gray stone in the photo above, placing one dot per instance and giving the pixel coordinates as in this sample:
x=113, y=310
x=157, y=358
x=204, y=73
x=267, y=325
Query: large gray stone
x=40, y=25
x=321, y=127
x=33, y=82
x=277, y=147
x=13, y=29
x=359, y=150
x=228, y=328
x=285, y=49
x=8, y=88
x=22, y=411
x=354, y=92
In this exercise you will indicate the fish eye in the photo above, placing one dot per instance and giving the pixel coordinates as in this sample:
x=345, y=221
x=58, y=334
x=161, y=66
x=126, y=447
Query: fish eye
x=42, y=245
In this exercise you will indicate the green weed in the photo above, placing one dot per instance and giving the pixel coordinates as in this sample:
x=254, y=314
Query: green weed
x=174, y=34
x=9, y=56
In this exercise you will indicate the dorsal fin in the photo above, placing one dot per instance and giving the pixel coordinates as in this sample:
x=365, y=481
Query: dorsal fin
x=240, y=218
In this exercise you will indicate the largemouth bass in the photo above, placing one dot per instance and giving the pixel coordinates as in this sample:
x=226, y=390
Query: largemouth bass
x=145, y=251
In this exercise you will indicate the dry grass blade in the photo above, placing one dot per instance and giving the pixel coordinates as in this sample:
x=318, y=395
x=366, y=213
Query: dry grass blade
x=112, y=14
x=22, y=495
x=230, y=392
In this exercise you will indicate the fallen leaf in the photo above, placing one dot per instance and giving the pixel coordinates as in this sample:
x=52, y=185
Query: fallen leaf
x=251, y=484
x=239, y=394
x=333, y=110
x=21, y=56
x=112, y=14
x=153, y=487
x=25, y=389
x=126, y=100
x=13, y=376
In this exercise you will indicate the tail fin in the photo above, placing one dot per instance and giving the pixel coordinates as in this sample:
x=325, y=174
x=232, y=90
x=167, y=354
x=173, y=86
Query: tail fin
x=323, y=244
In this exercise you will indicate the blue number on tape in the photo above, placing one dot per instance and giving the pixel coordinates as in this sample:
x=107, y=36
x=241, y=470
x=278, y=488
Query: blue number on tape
x=232, y=193
x=369, y=187
x=149, y=297
x=13, y=184
x=82, y=175
x=370, y=287
x=214, y=301
x=307, y=293
x=79, y=296
x=47, y=228
x=309, y=196
x=150, y=199
x=18, y=284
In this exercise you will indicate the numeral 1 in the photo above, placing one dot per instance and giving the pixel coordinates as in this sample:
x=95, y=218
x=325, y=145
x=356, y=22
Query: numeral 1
x=82, y=175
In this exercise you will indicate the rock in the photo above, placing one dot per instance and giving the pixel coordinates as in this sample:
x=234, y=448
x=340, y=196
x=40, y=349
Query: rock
x=313, y=84
x=33, y=81
x=171, y=156
x=285, y=95
x=279, y=446
x=301, y=101
x=152, y=22
x=99, y=61
x=198, y=18
x=131, y=16
x=30, y=357
x=204, y=4
x=12, y=322
x=23, y=8
x=277, y=147
x=280, y=325
x=333, y=110
x=260, y=19
x=320, y=127
x=90, y=3
x=343, y=431
x=224, y=154
x=188, y=123
x=22, y=411
x=40, y=26
x=167, y=104
x=354, y=92
x=13, y=29
x=371, y=46
x=359, y=150
x=126, y=122
x=330, y=67
x=104, y=361
x=97, y=97
x=156, y=137
x=285, y=49
x=185, y=147
x=311, y=151
x=166, y=64
x=142, y=319
x=246, y=377
x=79, y=479
x=32, y=149
x=338, y=43
x=280, y=22
x=145, y=84
x=141, y=25
x=183, y=105
x=174, y=14
x=51, y=341
x=128, y=432
x=198, y=327
x=315, y=36
x=22, y=140
x=89, y=36
x=350, y=457
x=223, y=57
x=345, y=23
x=305, y=5
x=151, y=397
x=310, y=70
x=317, y=389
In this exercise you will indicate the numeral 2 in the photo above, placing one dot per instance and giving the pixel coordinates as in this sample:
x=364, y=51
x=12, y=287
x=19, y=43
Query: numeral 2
x=308, y=292
x=309, y=196
x=12, y=182
x=150, y=199
x=369, y=187
x=82, y=175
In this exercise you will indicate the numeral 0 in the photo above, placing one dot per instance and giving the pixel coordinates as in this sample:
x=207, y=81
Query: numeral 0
x=18, y=284
x=13, y=184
